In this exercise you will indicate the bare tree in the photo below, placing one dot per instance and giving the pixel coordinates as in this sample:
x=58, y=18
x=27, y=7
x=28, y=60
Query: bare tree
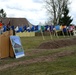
x=55, y=9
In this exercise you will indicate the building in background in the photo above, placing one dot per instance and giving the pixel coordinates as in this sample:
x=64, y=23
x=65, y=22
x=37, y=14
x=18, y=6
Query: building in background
x=16, y=21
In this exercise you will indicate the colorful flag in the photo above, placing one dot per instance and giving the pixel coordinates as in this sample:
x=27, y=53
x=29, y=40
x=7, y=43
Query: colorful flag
x=8, y=25
x=42, y=28
x=20, y=29
x=17, y=28
x=51, y=27
x=64, y=28
x=24, y=28
x=1, y=25
x=46, y=27
x=32, y=28
x=4, y=28
x=57, y=27
x=28, y=29
x=12, y=27
x=37, y=28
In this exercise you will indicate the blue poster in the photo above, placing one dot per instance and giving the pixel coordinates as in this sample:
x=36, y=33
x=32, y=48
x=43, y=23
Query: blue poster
x=17, y=47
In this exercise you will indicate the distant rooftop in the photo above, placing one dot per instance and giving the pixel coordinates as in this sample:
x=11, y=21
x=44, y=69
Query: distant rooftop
x=16, y=21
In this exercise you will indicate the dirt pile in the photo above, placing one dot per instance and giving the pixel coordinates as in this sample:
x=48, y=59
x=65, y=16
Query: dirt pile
x=57, y=43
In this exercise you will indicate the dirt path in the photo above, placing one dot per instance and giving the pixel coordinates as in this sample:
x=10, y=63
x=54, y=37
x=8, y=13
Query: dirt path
x=39, y=59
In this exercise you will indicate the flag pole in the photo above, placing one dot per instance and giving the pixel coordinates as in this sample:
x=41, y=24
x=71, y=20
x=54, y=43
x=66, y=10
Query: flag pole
x=61, y=27
x=67, y=31
x=55, y=32
x=50, y=33
x=8, y=29
x=0, y=37
x=41, y=31
x=63, y=32
x=70, y=33
x=0, y=49
x=42, y=34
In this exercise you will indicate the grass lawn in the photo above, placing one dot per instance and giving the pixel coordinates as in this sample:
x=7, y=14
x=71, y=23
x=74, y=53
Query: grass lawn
x=60, y=65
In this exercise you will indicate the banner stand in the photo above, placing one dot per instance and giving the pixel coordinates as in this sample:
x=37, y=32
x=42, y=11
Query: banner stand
x=17, y=47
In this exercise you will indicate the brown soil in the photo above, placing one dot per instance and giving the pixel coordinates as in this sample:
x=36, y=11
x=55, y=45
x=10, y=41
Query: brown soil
x=57, y=44
x=45, y=46
x=50, y=58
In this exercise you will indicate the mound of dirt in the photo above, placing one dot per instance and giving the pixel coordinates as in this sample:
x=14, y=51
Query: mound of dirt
x=57, y=43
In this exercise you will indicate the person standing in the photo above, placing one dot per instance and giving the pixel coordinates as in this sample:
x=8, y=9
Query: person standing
x=1, y=27
x=8, y=26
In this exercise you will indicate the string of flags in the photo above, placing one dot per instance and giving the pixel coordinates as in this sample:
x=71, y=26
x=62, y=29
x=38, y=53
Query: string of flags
x=38, y=28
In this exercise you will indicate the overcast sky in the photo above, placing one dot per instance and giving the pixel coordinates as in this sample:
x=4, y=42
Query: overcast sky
x=32, y=10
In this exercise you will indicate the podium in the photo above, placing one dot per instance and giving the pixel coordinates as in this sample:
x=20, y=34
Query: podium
x=6, y=49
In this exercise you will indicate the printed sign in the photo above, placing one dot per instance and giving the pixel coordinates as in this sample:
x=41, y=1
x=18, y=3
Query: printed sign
x=17, y=47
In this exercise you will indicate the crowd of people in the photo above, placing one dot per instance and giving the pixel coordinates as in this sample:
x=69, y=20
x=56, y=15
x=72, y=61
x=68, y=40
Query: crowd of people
x=5, y=27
